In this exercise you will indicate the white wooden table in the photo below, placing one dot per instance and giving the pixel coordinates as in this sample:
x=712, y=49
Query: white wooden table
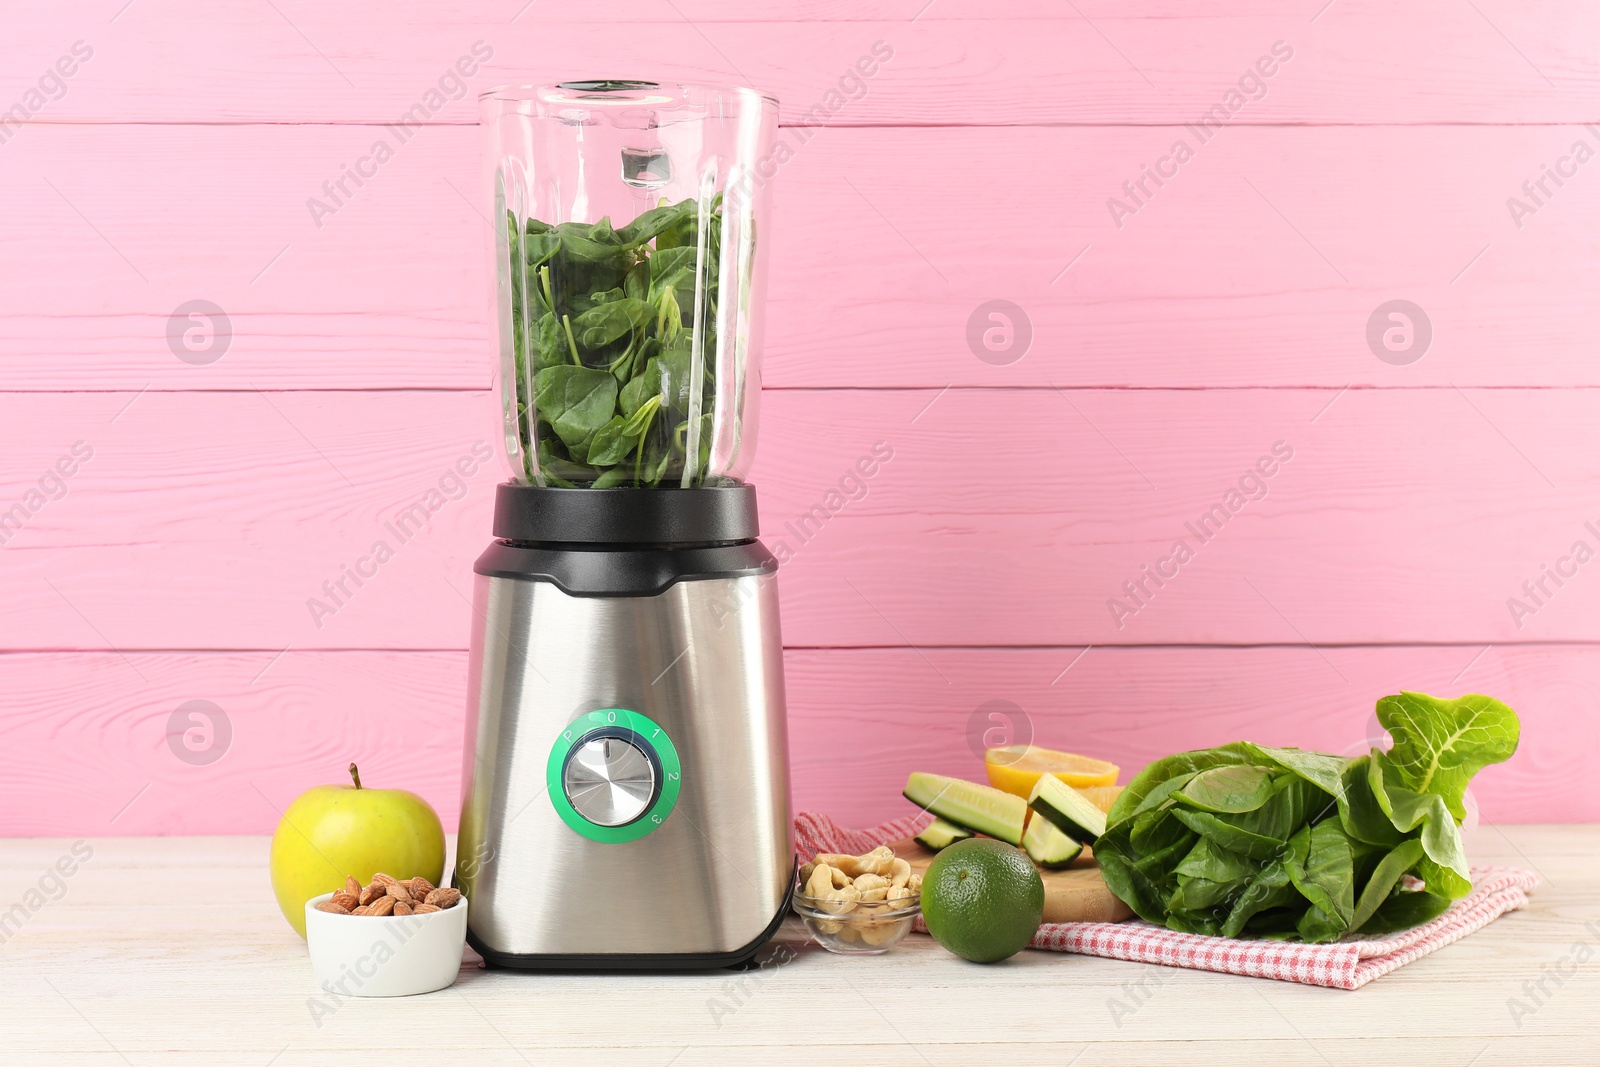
x=170, y=950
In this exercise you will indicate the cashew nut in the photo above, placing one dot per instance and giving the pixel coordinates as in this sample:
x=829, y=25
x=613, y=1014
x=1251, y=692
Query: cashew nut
x=839, y=901
x=850, y=865
x=805, y=872
x=899, y=872
x=878, y=933
x=897, y=893
x=875, y=862
x=865, y=882
x=914, y=883
x=820, y=882
x=871, y=895
x=879, y=861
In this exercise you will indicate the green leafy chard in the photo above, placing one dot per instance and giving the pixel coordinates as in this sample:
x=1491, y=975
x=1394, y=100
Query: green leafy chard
x=614, y=345
x=1250, y=841
x=1440, y=744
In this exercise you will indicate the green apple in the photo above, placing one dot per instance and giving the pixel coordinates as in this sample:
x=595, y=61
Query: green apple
x=331, y=831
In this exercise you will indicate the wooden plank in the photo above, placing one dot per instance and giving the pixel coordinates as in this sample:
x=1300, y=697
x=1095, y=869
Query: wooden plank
x=274, y=493
x=146, y=872
x=89, y=737
x=961, y=62
x=1071, y=895
x=1023, y=518
x=208, y=981
x=101, y=274
x=863, y=719
x=85, y=747
x=1562, y=848
x=1263, y=262
x=425, y=1048
x=1260, y=264
x=213, y=520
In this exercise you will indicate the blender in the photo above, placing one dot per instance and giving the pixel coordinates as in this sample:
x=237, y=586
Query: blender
x=625, y=770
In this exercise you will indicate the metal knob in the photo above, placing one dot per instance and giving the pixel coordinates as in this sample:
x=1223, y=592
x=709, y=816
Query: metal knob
x=609, y=781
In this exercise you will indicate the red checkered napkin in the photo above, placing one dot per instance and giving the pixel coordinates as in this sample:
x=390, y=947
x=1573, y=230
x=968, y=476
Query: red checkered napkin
x=1348, y=964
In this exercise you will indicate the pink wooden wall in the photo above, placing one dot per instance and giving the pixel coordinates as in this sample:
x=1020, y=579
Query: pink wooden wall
x=1173, y=347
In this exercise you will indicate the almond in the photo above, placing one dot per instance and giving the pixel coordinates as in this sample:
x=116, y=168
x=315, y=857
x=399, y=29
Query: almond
x=382, y=906
x=425, y=909
x=352, y=886
x=444, y=898
x=345, y=900
x=420, y=887
x=400, y=893
x=384, y=879
x=359, y=911
x=331, y=906
x=402, y=908
x=371, y=893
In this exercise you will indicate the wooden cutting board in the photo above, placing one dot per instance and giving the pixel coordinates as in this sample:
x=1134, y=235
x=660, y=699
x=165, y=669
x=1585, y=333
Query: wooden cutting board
x=1075, y=894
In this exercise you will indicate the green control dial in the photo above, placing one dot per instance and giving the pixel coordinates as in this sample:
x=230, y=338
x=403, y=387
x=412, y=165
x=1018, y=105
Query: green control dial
x=613, y=775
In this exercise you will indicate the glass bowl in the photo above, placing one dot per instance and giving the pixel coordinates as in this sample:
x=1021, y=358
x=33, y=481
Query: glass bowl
x=868, y=928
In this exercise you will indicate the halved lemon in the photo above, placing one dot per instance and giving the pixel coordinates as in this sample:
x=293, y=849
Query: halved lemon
x=1015, y=768
x=1101, y=796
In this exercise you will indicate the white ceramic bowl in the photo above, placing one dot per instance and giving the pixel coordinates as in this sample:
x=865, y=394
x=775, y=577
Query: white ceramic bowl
x=385, y=955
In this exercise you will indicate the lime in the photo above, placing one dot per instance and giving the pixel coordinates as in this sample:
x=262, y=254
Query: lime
x=982, y=899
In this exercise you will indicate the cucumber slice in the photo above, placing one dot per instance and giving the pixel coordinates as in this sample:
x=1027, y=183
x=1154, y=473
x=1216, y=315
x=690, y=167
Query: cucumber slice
x=973, y=807
x=1048, y=846
x=1071, y=811
x=941, y=834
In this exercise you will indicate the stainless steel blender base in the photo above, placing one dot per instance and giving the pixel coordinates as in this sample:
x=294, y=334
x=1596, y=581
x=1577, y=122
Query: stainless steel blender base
x=702, y=661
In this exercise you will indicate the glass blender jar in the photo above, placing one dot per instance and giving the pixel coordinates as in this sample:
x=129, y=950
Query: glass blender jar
x=628, y=283
x=625, y=727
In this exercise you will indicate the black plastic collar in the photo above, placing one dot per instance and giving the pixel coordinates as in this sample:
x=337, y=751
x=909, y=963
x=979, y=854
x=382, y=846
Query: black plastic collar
x=663, y=517
x=622, y=570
